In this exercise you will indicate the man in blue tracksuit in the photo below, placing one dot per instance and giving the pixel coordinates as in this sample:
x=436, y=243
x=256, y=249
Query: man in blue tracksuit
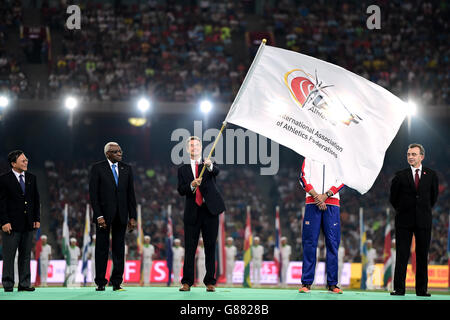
x=322, y=211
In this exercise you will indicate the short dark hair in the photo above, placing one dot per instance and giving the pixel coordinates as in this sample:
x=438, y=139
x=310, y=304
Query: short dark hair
x=417, y=145
x=13, y=155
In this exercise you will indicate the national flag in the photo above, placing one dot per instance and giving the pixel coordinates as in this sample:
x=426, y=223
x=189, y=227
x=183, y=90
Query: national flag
x=65, y=242
x=37, y=254
x=86, y=244
x=248, y=242
x=221, y=260
x=413, y=254
x=140, y=243
x=169, y=244
x=387, y=257
x=321, y=111
x=363, y=250
x=277, y=252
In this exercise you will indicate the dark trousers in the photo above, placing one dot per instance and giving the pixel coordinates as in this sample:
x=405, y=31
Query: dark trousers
x=403, y=248
x=117, y=230
x=12, y=242
x=208, y=224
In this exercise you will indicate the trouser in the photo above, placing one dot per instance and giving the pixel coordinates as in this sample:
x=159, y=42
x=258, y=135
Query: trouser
x=44, y=272
x=403, y=238
x=71, y=274
x=201, y=270
x=369, y=281
x=208, y=224
x=284, y=269
x=230, y=268
x=117, y=230
x=176, y=272
x=256, y=269
x=147, y=271
x=11, y=243
x=314, y=220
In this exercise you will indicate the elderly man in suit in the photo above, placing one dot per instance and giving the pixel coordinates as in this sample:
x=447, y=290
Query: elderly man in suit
x=111, y=191
x=414, y=192
x=19, y=217
x=203, y=204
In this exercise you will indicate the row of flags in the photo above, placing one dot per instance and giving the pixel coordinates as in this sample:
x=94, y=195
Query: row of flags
x=387, y=256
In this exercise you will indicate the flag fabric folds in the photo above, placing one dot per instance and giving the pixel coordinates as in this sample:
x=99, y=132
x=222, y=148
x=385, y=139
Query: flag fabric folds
x=37, y=254
x=65, y=242
x=363, y=250
x=321, y=111
x=387, y=258
x=277, y=252
x=169, y=244
x=247, y=251
x=220, y=252
x=86, y=244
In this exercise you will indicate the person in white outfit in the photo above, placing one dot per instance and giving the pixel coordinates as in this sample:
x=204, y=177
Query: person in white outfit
x=178, y=257
x=230, y=253
x=91, y=256
x=75, y=254
x=147, y=257
x=257, y=256
x=285, y=258
x=371, y=256
x=45, y=257
x=201, y=266
x=341, y=254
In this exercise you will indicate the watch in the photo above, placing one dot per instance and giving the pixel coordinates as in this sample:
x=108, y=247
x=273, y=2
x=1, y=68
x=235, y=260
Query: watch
x=329, y=194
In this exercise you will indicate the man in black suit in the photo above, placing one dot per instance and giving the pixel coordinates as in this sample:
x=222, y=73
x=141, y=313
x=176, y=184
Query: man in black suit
x=19, y=216
x=201, y=213
x=111, y=192
x=414, y=192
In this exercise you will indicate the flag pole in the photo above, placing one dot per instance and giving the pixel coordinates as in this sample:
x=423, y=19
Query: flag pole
x=238, y=96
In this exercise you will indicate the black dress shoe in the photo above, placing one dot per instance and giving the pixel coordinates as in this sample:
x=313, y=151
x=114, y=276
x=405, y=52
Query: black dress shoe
x=100, y=288
x=118, y=288
x=397, y=293
x=26, y=289
x=8, y=289
x=423, y=294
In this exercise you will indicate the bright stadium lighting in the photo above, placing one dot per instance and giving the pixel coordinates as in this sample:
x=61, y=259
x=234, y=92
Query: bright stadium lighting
x=412, y=108
x=71, y=103
x=4, y=101
x=205, y=106
x=143, y=105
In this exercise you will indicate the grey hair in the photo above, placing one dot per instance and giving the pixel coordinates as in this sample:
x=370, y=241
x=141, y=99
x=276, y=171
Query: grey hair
x=109, y=144
x=417, y=145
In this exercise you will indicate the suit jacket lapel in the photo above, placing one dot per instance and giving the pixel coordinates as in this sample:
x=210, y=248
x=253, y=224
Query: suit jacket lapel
x=111, y=175
x=423, y=177
x=189, y=171
x=408, y=172
x=15, y=182
x=121, y=170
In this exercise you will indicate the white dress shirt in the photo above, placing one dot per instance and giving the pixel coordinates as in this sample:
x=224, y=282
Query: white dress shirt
x=18, y=175
x=414, y=172
x=117, y=166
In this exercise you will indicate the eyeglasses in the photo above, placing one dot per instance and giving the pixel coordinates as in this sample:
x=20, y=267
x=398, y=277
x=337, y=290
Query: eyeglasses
x=115, y=151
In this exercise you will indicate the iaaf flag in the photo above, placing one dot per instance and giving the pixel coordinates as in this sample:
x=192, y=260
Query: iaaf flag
x=321, y=111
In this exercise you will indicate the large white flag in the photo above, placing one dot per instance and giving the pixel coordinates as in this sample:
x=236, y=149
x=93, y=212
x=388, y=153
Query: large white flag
x=321, y=111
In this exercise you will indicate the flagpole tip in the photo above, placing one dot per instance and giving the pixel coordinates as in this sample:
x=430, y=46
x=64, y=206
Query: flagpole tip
x=264, y=41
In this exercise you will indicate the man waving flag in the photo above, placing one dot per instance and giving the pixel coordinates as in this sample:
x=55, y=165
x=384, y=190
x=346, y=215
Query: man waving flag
x=320, y=111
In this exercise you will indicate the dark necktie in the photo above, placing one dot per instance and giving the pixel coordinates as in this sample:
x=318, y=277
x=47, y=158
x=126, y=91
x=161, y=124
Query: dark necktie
x=416, y=179
x=22, y=183
x=198, y=194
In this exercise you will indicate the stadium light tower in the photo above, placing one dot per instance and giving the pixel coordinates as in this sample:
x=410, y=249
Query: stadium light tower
x=143, y=105
x=205, y=106
x=4, y=101
x=71, y=103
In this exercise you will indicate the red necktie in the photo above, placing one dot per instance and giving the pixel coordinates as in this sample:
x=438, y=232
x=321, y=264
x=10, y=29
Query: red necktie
x=416, y=179
x=198, y=194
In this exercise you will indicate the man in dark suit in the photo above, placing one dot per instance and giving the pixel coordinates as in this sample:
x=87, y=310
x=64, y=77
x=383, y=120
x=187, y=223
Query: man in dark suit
x=414, y=192
x=201, y=213
x=111, y=191
x=19, y=216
